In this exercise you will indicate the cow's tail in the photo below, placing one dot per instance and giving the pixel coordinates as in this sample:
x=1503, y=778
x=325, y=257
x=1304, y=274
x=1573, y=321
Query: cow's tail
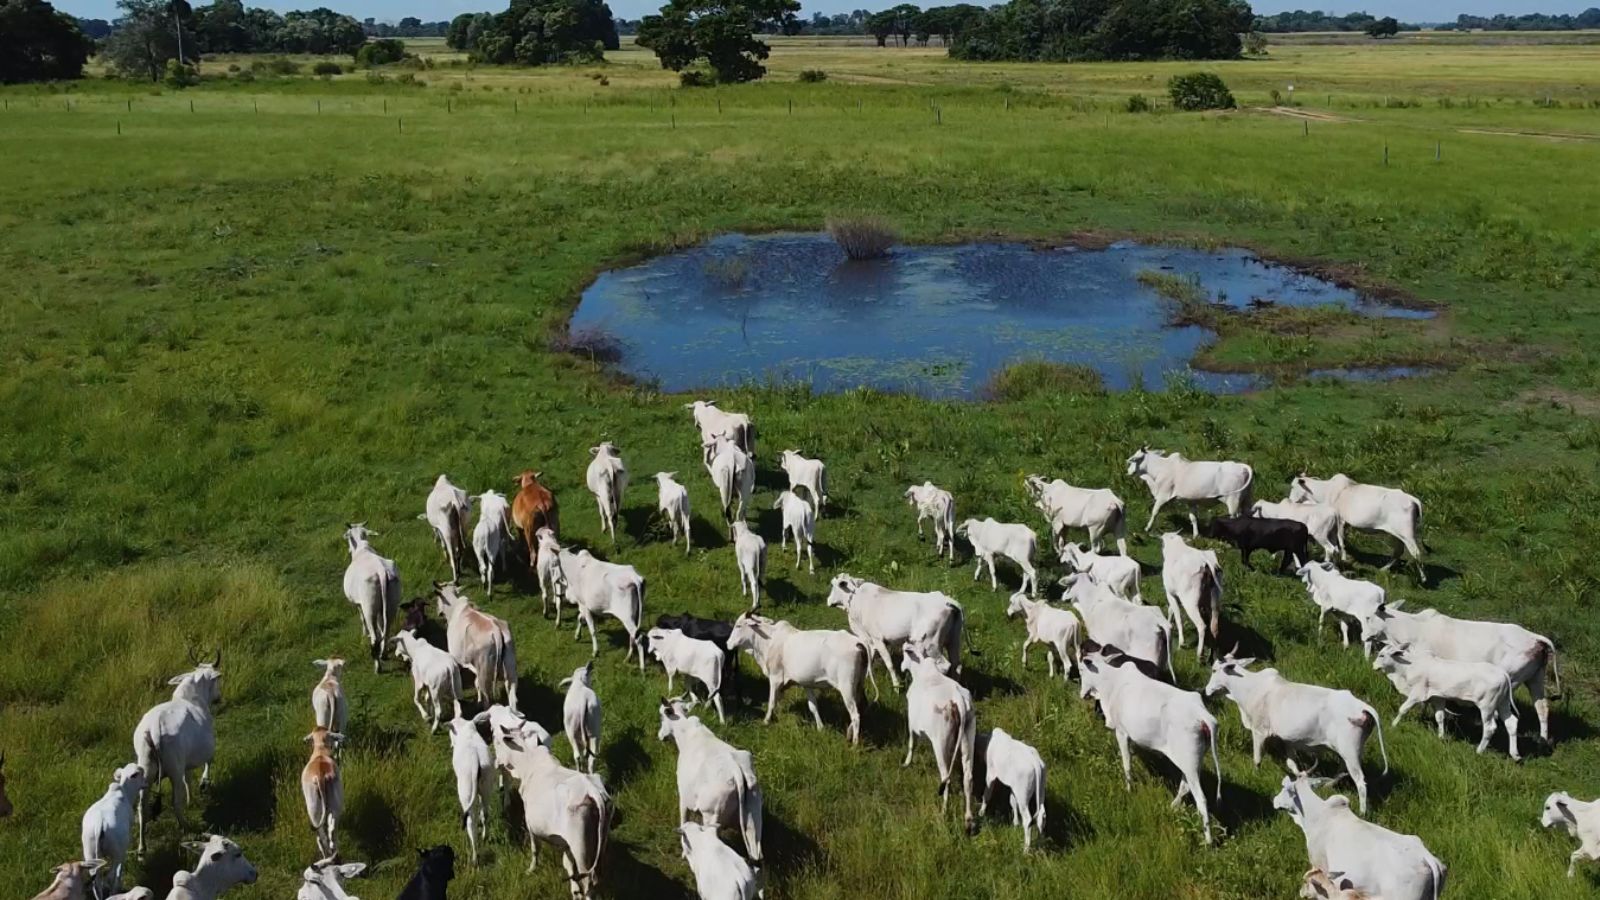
x=1436, y=869
x=1244, y=493
x=1549, y=649
x=1416, y=525
x=322, y=805
x=746, y=820
x=952, y=636
x=1373, y=723
x=494, y=679
x=152, y=745
x=590, y=869
x=750, y=438
x=1211, y=599
x=1166, y=634
x=1511, y=693
x=1038, y=796
x=1210, y=729
x=452, y=539
x=1117, y=524
x=864, y=653
x=968, y=726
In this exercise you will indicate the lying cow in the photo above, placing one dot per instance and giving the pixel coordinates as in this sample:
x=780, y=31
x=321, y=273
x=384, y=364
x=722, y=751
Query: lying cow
x=222, y=865
x=1286, y=537
x=324, y=880
x=72, y=881
x=1384, y=863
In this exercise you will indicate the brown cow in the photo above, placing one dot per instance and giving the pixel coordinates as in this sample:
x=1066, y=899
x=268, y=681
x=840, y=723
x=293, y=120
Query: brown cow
x=534, y=508
x=5, y=802
x=323, y=790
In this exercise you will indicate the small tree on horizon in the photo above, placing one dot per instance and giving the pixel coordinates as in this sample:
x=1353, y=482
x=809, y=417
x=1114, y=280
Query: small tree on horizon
x=1387, y=26
x=720, y=32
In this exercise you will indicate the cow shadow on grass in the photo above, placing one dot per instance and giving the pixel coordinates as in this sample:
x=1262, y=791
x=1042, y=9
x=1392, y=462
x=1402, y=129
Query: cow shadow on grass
x=1239, y=805
x=1065, y=826
x=984, y=683
x=539, y=701
x=780, y=592
x=623, y=866
x=241, y=798
x=644, y=524
x=787, y=851
x=708, y=532
x=155, y=871
x=369, y=826
x=1237, y=637
x=380, y=741
x=622, y=759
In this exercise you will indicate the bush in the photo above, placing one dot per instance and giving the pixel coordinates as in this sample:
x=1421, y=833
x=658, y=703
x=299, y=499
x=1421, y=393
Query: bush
x=181, y=76
x=694, y=78
x=1200, y=90
x=327, y=67
x=245, y=77
x=812, y=76
x=278, y=65
x=1034, y=377
x=382, y=52
x=864, y=238
x=376, y=77
x=1139, y=103
x=233, y=68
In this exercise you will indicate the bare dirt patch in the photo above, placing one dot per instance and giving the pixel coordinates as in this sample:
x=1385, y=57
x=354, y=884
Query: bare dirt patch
x=1581, y=404
x=1307, y=114
x=1542, y=135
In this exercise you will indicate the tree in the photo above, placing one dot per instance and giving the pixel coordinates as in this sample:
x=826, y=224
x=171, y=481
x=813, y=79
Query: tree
x=38, y=43
x=721, y=32
x=1067, y=30
x=880, y=25
x=179, y=10
x=143, y=40
x=1384, y=27
x=95, y=29
x=905, y=21
x=381, y=52
x=536, y=32
x=321, y=31
x=1199, y=90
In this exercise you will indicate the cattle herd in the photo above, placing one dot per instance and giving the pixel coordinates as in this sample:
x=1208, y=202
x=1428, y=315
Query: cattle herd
x=1120, y=648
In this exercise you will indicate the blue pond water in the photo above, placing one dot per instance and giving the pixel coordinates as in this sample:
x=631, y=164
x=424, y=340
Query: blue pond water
x=932, y=320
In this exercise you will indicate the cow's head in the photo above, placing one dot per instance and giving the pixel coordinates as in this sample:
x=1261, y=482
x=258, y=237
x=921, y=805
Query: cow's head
x=966, y=526
x=130, y=778
x=1226, y=671
x=1301, y=490
x=1375, y=624
x=223, y=859
x=1137, y=462
x=526, y=478
x=402, y=642
x=1092, y=666
x=1017, y=605
x=1392, y=658
x=747, y=630
x=1072, y=555
x=546, y=537
x=415, y=615
x=332, y=667
x=323, y=741
x=503, y=721
x=1322, y=885
x=673, y=709
x=1558, y=812
x=605, y=448
x=323, y=880
x=203, y=683
x=1307, y=570
x=72, y=879
x=356, y=536
x=842, y=589
x=581, y=675
x=449, y=597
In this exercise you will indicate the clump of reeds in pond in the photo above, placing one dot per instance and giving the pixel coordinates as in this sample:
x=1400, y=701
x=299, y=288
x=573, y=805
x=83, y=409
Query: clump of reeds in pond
x=867, y=237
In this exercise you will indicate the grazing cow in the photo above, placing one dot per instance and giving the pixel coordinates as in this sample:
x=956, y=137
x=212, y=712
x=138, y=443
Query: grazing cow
x=713, y=422
x=733, y=471
x=565, y=808
x=222, y=865
x=700, y=660
x=787, y=655
x=533, y=508
x=800, y=520
x=607, y=479
x=1192, y=580
x=596, y=588
x=73, y=881
x=432, y=670
x=810, y=474
x=716, y=781
x=1387, y=864
x=1367, y=507
x=1172, y=477
x=179, y=735
x=322, y=788
x=720, y=873
x=1331, y=591
x=5, y=801
x=1014, y=542
x=939, y=506
x=1421, y=677
x=491, y=535
x=324, y=880
x=1321, y=885
x=372, y=583
x=672, y=499
x=473, y=764
x=1065, y=506
x=1321, y=522
x=1577, y=818
x=1020, y=768
x=552, y=577
x=750, y=551
x=930, y=621
x=481, y=643
x=1056, y=629
x=107, y=830
x=940, y=709
x=1156, y=716
x=1523, y=655
x=447, y=509
x=580, y=716
x=328, y=706
x=1302, y=716
x=1140, y=631
x=1286, y=537
x=1119, y=573
x=436, y=867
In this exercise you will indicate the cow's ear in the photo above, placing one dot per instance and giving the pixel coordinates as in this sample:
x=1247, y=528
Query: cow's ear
x=352, y=870
x=1565, y=810
x=194, y=846
x=1320, y=887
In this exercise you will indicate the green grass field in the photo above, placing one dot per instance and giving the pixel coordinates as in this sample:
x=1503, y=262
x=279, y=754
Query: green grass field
x=235, y=318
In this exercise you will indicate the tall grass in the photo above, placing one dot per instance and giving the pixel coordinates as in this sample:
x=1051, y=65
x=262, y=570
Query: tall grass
x=866, y=237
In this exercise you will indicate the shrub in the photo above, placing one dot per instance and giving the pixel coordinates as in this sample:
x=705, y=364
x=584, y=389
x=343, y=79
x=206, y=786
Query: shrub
x=376, y=77
x=1138, y=103
x=233, y=68
x=863, y=238
x=245, y=77
x=693, y=78
x=1200, y=90
x=1255, y=44
x=812, y=76
x=181, y=76
x=1033, y=377
x=278, y=65
x=327, y=67
x=381, y=52
x=604, y=81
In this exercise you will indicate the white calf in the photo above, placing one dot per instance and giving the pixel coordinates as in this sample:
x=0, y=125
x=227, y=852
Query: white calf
x=607, y=478
x=108, y=827
x=716, y=780
x=73, y=881
x=940, y=709
x=1137, y=630
x=1424, y=678
x=222, y=865
x=1173, y=477
x=800, y=520
x=930, y=621
x=1192, y=580
x=372, y=583
x=328, y=706
x=1389, y=865
x=1014, y=542
x=601, y=588
x=1064, y=506
x=580, y=716
x=1320, y=885
x=788, y=655
x=1010, y=762
x=713, y=422
x=672, y=499
x=1368, y=507
x=1333, y=592
x=750, y=551
x=179, y=735
x=1579, y=819
x=733, y=471
x=491, y=535
x=719, y=872
x=1321, y=522
x=1056, y=628
x=446, y=511
x=552, y=577
x=433, y=671
x=809, y=474
x=323, y=789
x=473, y=763
x=701, y=660
x=1119, y=573
x=939, y=506
x=324, y=880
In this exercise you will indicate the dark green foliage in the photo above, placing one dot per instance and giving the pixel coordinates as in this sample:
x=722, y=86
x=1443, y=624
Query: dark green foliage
x=1043, y=379
x=37, y=43
x=1138, y=103
x=327, y=67
x=537, y=32
x=719, y=32
x=146, y=37
x=812, y=76
x=228, y=26
x=692, y=78
x=95, y=29
x=1589, y=18
x=278, y=65
x=1066, y=30
x=180, y=75
x=321, y=31
x=1384, y=27
x=1199, y=90
x=1316, y=20
x=381, y=52
x=1255, y=44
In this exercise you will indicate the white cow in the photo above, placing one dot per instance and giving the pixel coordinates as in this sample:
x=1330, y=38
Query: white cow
x=1056, y=628
x=1579, y=819
x=473, y=764
x=481, y=643
x=701, y=660
x=940, y=709
x=930, y=621
x=1015, y=542
x=1064, y=506
x=491, y=535
x=108, y=827
x=1137, y=630
x=72, y=881
x=1173, y=477
x=179, y=735
x=799, y=520
x=939, y=506
x=1302, y=716
x=1321, y=522
x=580, y=716
x=1333, y=592
x=750, y=551
x=568, y=809
x=1367, y=507
x=720, y=873
x=324, y=880
x=372, y=583
x=716, y=781
x=323, y=789
x=1421, y=677
x=552, y=578
x=809, y=474
x=733, y=471
x=1192, y=580
x=222, y=865
x=1320, y=885
x=607, y=479
x=1523, y=655
x=1119, y=573
x=713, y=422
x=788, y=655
x=1156, y=716
x=1374, y=859
x=446, y=510
x=432, y=670
x=599, y=588
x=672, y=499
x=328, y=705
x=1010, y=762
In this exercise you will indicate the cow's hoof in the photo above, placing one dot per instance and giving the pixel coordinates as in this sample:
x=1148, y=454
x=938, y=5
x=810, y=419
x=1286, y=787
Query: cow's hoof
x=972, y=829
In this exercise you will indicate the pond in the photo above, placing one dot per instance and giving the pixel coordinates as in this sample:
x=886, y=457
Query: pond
x=930, y=319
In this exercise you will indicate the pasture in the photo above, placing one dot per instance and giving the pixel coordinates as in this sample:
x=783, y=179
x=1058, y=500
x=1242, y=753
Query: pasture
x=236, y=318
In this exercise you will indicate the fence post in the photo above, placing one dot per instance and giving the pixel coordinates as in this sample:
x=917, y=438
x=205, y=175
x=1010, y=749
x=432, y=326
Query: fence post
x=255, y=105
x=1386, y=153
x=130, y=106
x=319, y=106
x=447, y=105
x=673, y=118
x=1307, y=125
x=938, y=116
x=386, y=106
x=119, y=127
x=400, y=124
x=1438, y=151
x=791, y=106
x=719, y=106
x=191, y=106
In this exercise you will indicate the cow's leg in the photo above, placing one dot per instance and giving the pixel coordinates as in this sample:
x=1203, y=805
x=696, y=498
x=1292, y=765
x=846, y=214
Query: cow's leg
x=1095, y=531
x=1244, y=557
x=994, y=583
x=669, y=682
x=1025, y=642
x=1541, y=705
x=1066, y=659
x=180, y=790
x=978, y=569
x=1193, y=778
x=1177, y=616
x=1406, y=706
x=533, y=854
x=882, y=648
x=594, y=640
x=416, y=700
x=1489, y=724
x=1258, y=740
x=1194, y=529
x=811, y=557
x=1438, y=719
x=205, y=776
x=716, y=700
x=155, y=784
x=1352, y=765
x=1572, y=861
x=1030, y=577
x=1127, y=759
x=772, y=699
x=1155, y=510
x=911, y=744
x=983, y=803
x=1183, y=791
x=811, y=704
x=1509, y=714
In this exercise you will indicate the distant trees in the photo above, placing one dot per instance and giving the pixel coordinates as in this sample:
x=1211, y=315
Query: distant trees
x=95, y=29
x=1589, y=18
x=320, y=31
x=39, y=43
x=1068, y=30
x=1314, y=20
x=721, y=33
x=144, y=38
x=1387, y=26
x=536, y=32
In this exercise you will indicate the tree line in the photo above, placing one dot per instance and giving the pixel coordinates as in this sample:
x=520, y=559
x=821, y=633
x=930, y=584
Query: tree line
x=1589, y=18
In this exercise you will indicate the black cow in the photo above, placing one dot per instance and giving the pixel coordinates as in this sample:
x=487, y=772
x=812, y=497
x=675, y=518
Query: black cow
x=1250, y=534
x=435, y=868
x=715, y=631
